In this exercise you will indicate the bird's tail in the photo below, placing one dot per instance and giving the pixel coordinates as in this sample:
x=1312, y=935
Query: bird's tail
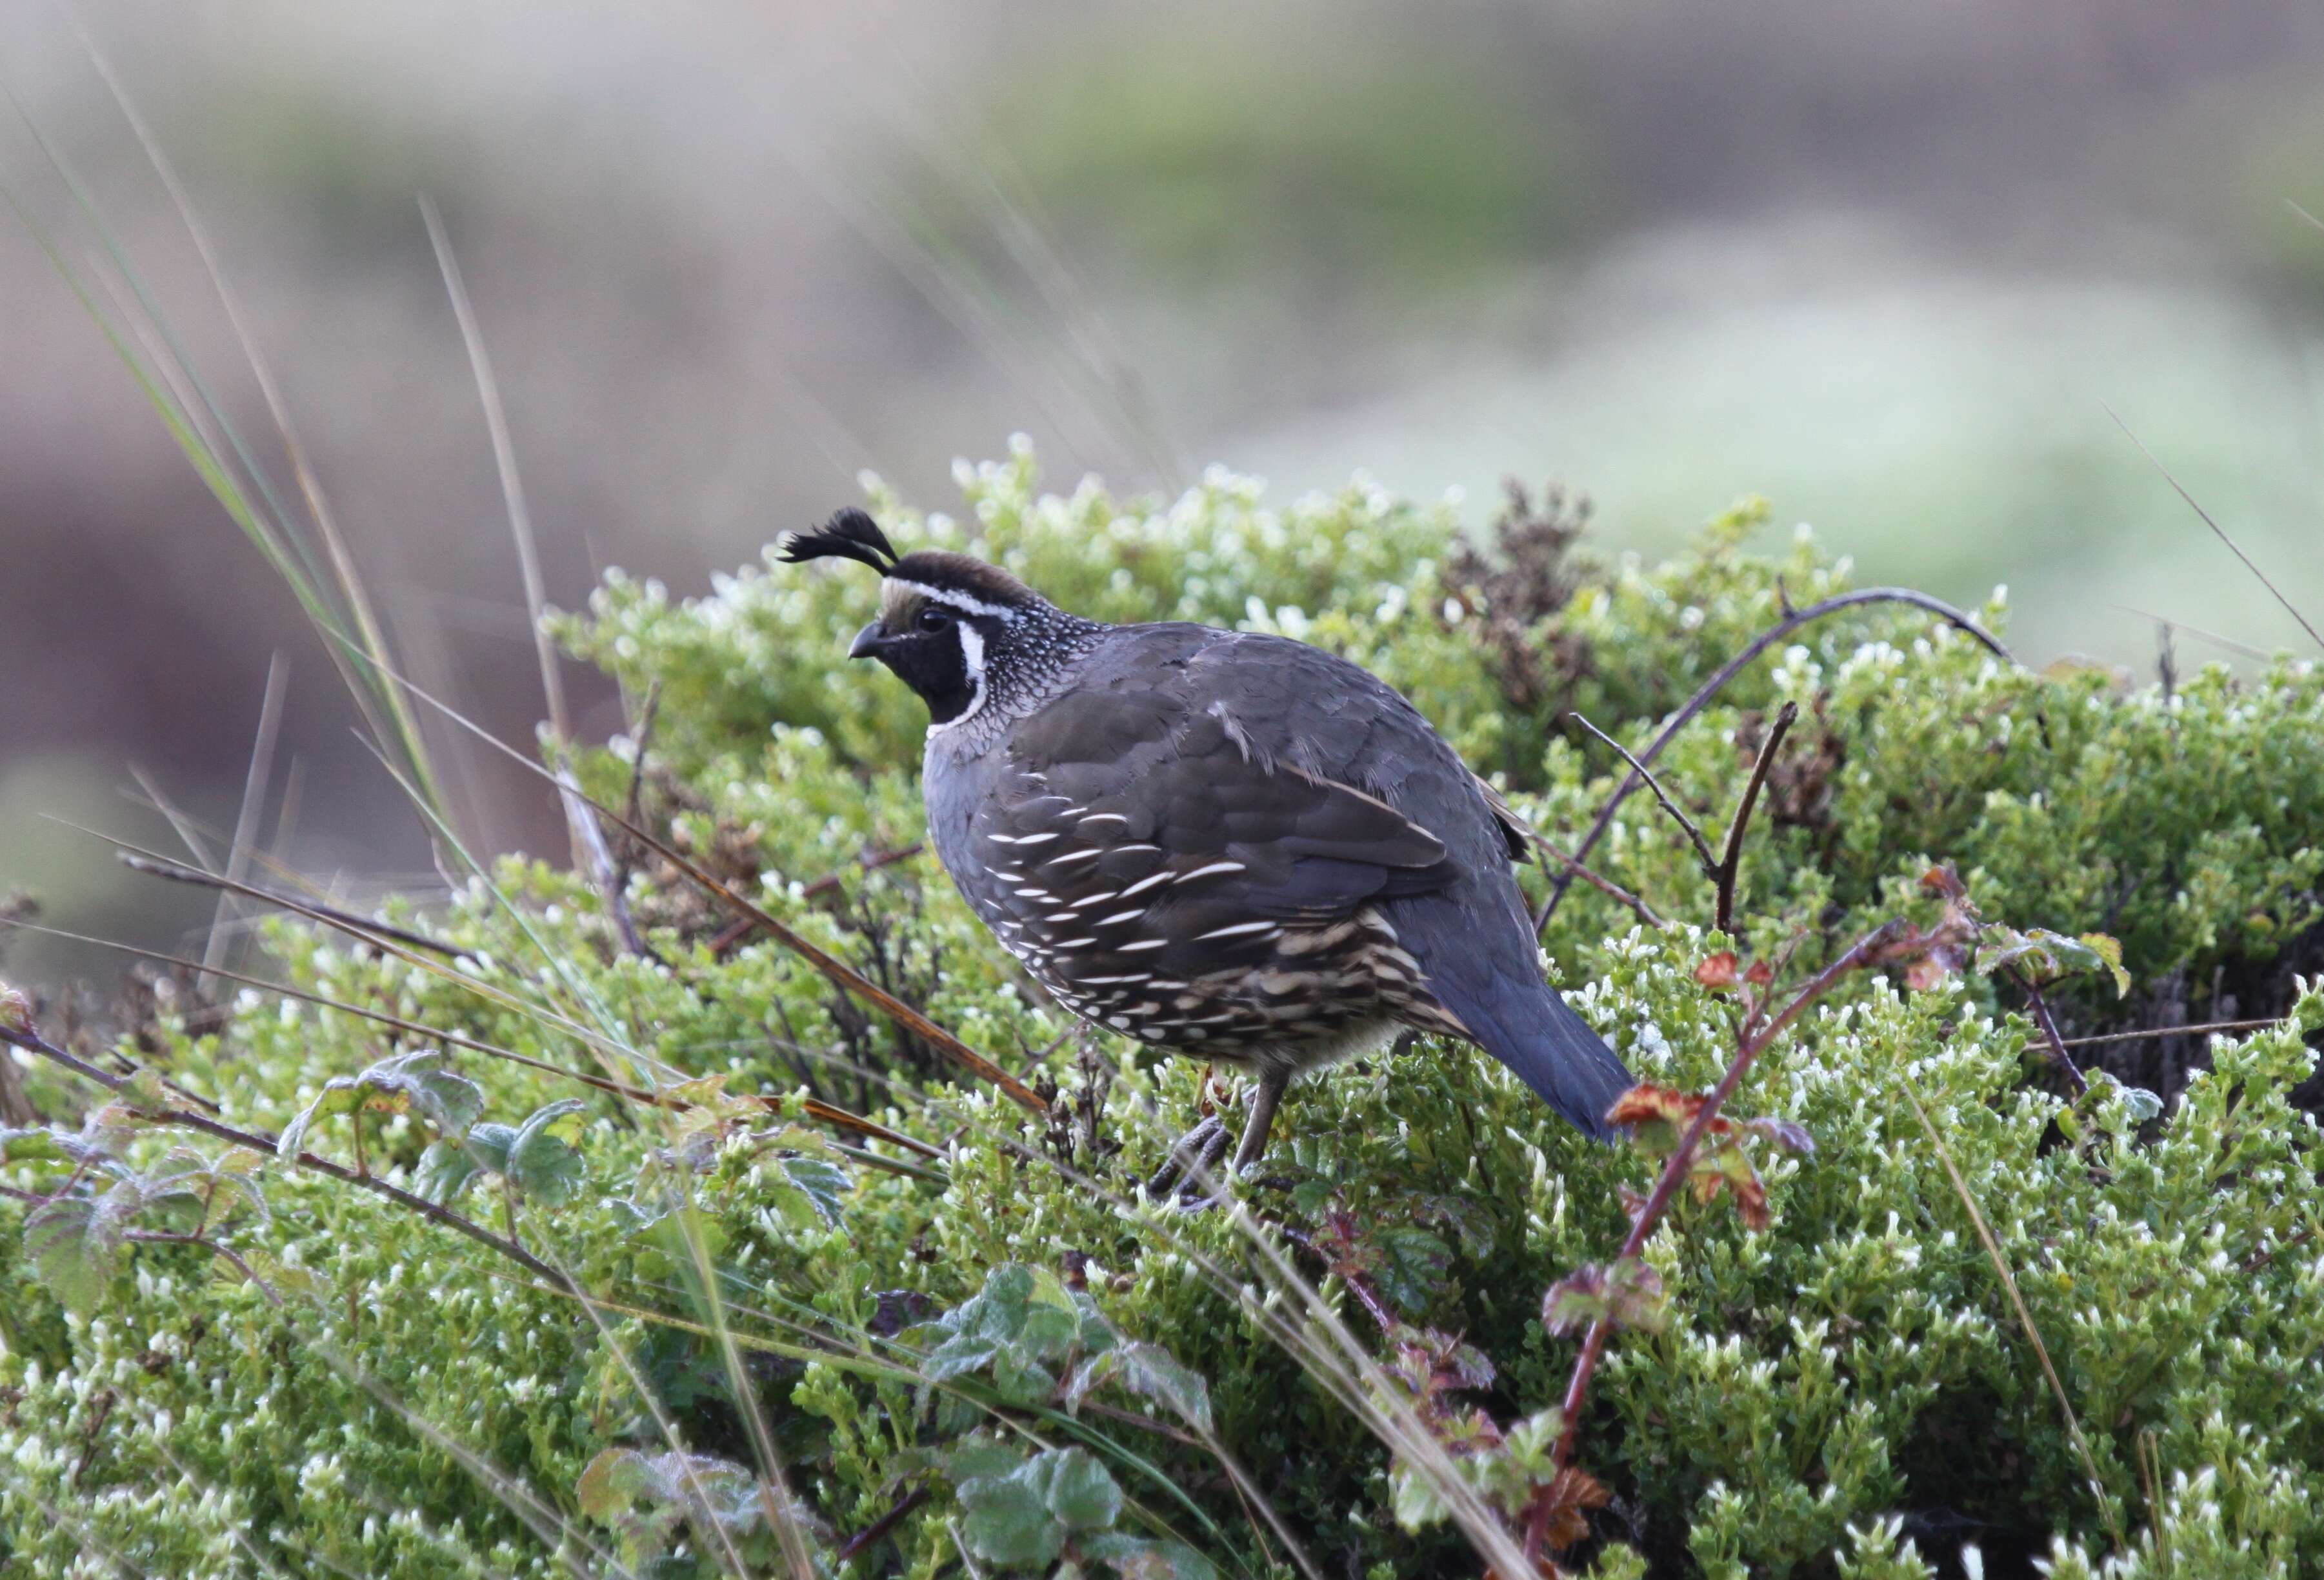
x=1568, y=1066
x=1493, y=985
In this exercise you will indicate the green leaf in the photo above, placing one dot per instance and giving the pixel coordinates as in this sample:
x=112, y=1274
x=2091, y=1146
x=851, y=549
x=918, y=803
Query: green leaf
x=1003, y=1519
x=541, y=1160
x=38, y=1145
x=1139, y=1557
x=1413, y=1264
x=808, y=1191
x=74, y=1245
x=446, y=1170
x=1149, y=1372
x=420, y=1083
x=1076, y=1488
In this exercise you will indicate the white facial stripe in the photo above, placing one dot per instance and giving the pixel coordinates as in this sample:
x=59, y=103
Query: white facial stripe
x=957, y=599
x=972, y=658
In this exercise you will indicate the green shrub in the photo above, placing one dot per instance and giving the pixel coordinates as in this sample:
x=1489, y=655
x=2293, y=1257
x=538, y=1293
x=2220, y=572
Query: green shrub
x=983, y=1349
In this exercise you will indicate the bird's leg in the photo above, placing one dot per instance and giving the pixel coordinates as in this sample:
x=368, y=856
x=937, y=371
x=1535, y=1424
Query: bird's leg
x=1263, y=1101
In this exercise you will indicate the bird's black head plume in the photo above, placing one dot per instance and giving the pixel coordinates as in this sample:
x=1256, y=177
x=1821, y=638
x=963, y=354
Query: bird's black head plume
x=851, y=534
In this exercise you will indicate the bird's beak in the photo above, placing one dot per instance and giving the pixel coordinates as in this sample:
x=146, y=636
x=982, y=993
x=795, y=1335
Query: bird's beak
x=866, y=640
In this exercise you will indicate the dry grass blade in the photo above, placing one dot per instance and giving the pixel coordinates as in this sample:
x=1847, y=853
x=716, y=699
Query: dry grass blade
x=158, y=866
x=2025, y=1317
x=814, y=1108
x=253, y=804
x=2217, y=530
x=838, y=970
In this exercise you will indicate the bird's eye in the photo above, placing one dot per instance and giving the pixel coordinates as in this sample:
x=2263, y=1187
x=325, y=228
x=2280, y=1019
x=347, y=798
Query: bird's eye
x=934, y=617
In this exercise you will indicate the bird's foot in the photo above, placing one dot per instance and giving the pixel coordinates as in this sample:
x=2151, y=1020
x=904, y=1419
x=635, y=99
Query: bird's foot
x=1195, y=1155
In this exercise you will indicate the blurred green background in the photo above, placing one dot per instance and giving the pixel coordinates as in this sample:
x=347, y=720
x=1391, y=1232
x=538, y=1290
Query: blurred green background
x=1893, y=267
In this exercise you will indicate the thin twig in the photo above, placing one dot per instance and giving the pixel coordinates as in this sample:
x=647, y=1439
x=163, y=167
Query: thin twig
x=1888, y=941
x=2221, y=531
x=1791, y=621
x=178, y=872
x=2156, y=1032
x=2064, y=1061
x=1599, y=881
x=1733, y=858
x=1694, y=835
x=156, y=1237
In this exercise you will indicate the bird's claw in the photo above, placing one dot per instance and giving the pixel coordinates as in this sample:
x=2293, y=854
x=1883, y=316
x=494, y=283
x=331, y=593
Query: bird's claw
x=1196, y=1153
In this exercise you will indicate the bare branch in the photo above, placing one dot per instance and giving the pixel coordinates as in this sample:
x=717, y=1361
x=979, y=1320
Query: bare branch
x=2064, y=1061
x=1701, y=845
x=1791, y=621
x=1733, y=857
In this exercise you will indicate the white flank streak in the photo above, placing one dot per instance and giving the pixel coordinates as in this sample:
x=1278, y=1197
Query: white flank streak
x=1206, y=872
x=1121, y=916
x=1141, y=943
x=1106, y=817
x=1094, y=900
x=1143, y=885
x=1072, y=855
x=1036, y=838
x=1237, y=930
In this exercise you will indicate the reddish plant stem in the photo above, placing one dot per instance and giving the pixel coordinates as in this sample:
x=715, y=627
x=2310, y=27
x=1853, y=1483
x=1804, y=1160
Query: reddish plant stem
x=881, y=1527
x=2064, y=1061
x=1886, y=941
x=1793, y=619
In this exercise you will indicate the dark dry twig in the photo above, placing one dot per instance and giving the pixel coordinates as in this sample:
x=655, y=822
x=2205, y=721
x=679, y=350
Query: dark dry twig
x=1791, y=621
x=1693, y=834
x=881, y=1527
x=2153, y=1033
x=1599, y=881
x=1733, y=858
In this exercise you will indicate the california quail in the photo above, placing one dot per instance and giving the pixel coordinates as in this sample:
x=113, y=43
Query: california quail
x=1229, y=845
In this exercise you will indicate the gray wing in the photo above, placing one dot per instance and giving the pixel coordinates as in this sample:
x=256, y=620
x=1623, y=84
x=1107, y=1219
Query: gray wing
x=1143, y=830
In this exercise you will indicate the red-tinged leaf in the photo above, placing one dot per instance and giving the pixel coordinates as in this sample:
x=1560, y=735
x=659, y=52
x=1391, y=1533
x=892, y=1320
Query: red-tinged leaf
x=1727, y=1168
x=1943, y=882
x=1647, y=1104
x=16, y=1012
x=1635, y=1293
x=1760, y=974
x=1716, y=972
x=1628, y=1295
x=1576, y=1301
x=1563, y=1502
x=1792, y=1138
x=1926, y=973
